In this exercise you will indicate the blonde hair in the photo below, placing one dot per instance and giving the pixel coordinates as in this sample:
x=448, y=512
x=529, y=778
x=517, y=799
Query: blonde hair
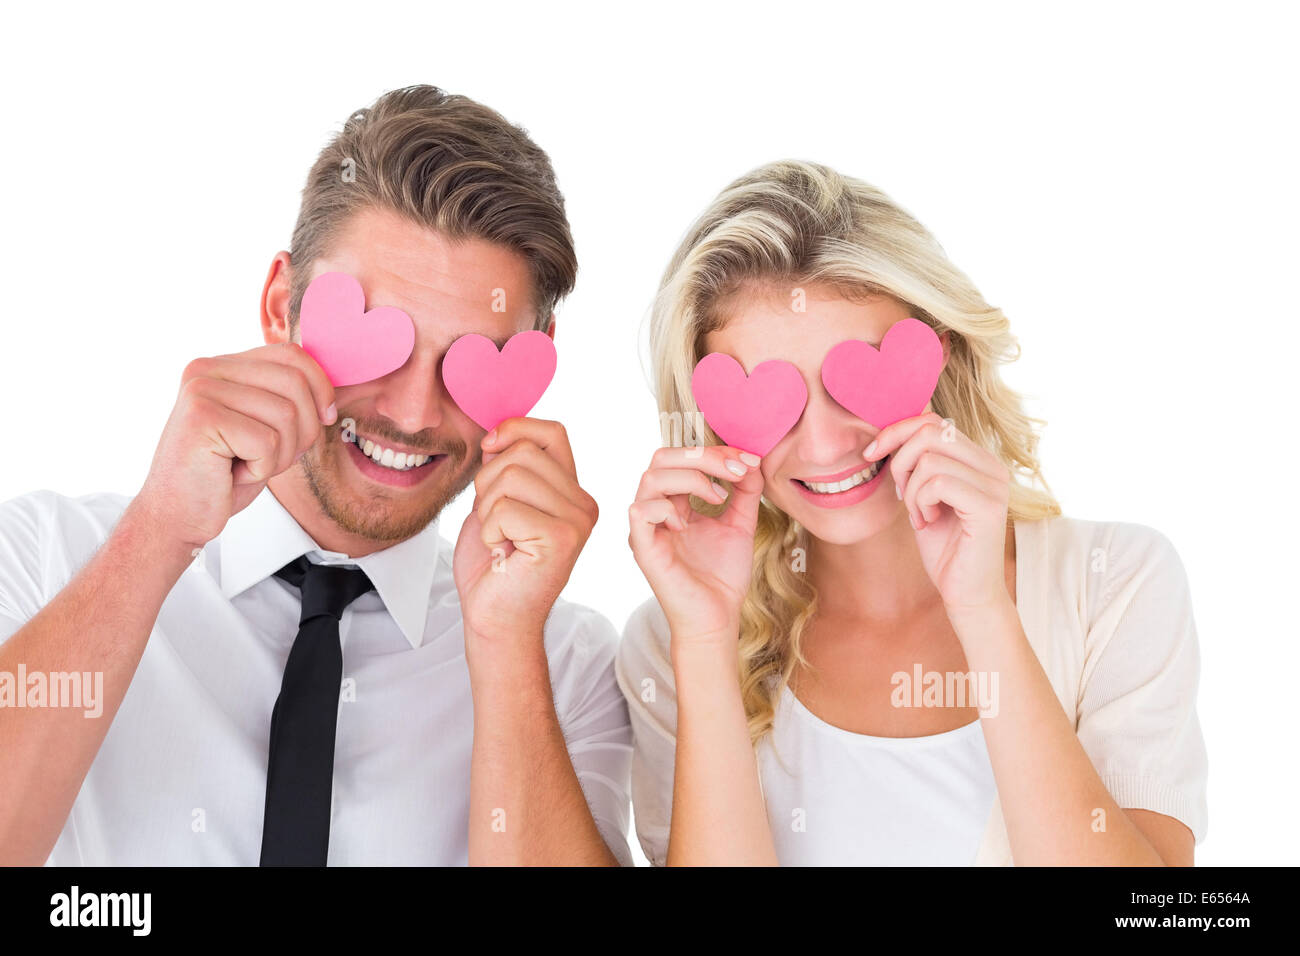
x=801, y=223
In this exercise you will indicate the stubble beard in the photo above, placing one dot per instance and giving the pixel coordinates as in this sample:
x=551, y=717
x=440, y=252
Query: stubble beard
x=380, y=518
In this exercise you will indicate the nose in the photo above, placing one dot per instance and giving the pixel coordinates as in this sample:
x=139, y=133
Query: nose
x=828, y=434
x=413, y=397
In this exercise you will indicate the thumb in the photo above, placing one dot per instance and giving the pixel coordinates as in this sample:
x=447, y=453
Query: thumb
x=469, y=529
x=743, y=502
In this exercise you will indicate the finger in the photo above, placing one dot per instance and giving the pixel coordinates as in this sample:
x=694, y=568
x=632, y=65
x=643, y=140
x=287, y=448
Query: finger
x=942, y=439
x=927, y=439
x=547, y=435
x=644, y=519
x=528, y=453
x=277, y=377
x=740, y=469
x=744, y=501
x=252, y=446
x=287, y=355
x=666, y=482
x=322, y=389
x=891, y=437
x=720, y=461
x=271, y=409
x=966, y=501
x=530, y=531
x=932, y=465
x=522, y=484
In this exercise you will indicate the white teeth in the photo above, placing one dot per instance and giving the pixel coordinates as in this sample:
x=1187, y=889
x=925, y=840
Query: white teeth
x=833, y=487
x=396, y=460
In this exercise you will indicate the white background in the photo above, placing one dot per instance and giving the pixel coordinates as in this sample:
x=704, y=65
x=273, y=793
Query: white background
x=1120, y=178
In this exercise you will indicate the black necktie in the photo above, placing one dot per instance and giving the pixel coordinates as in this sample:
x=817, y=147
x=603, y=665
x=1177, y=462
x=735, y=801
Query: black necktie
x=300, y=767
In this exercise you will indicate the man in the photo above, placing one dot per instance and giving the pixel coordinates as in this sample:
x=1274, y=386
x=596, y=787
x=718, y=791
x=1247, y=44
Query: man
x=474, y=716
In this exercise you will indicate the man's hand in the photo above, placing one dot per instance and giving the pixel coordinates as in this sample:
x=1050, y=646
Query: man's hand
x=530, y=521
x=239, y=421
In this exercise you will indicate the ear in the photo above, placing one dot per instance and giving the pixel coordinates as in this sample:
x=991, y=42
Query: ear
x=550, y=327
x=276, y=293
x=943, y=340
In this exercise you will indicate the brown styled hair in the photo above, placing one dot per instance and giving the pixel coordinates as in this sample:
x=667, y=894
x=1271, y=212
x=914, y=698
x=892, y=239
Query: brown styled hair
x=446, y=162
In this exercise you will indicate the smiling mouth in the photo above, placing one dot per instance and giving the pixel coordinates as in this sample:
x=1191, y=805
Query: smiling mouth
x=387, y=457
x=852, y=481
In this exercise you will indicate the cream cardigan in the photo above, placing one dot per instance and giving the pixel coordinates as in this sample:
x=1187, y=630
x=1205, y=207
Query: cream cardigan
x=1107, y=609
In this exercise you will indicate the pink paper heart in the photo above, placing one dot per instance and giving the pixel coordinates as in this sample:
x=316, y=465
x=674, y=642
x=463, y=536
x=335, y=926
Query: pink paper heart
x=751, y=413
x=491, y=386
x=885, y=386
x=350, y=344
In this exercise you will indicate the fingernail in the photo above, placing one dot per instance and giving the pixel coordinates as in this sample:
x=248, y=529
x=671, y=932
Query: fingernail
x=869, y=449
x=490, y=437
x=735, y=467
x=331, y=414
x=721, y=491
x=750, y=459
x=915, y=526
x=898, y=491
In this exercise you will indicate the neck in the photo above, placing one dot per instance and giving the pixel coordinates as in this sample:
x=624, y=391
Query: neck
x=292, y=491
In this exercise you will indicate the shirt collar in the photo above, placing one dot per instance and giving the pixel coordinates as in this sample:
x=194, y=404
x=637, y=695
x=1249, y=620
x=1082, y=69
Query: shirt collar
x=264, y=537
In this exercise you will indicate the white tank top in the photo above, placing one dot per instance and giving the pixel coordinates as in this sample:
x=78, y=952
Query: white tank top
x=837, y=798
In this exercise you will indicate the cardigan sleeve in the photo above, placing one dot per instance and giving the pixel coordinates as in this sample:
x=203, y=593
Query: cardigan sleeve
x=645, y=675
x=1137, y=715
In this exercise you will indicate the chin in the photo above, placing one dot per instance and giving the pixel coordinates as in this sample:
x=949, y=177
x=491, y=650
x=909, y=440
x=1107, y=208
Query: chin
x=844, y=529
x=378, y=513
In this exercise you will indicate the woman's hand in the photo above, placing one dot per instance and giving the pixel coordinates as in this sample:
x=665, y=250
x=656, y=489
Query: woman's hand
x=698, y=566
x=956, y=494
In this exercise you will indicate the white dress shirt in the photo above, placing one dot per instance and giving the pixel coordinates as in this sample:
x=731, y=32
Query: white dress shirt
x=181, y=776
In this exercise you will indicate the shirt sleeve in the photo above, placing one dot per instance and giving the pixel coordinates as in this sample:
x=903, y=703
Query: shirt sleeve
x=594, y=720
x=22, y=592
x=1137, y=713
x=645, y=676
x=45, y=539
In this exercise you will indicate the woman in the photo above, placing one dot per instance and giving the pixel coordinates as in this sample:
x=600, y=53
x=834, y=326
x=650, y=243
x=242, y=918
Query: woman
x=886, y=645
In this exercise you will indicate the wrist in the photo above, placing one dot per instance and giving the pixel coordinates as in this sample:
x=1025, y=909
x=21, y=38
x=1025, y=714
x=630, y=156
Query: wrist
x=495, y=624
x=511, y=690
x=507, y=663
x=706, y=677
x=140, y=535
x=975, y=622
x=705, y=651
